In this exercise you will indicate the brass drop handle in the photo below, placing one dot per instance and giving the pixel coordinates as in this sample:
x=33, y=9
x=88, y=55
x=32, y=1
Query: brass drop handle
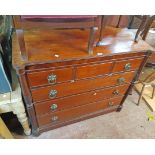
x=127, y=66
x=52, y=79
x=54, y=118
x=54, y=107
x=110, y=103
x=116, y=92
x=53, y=93
x=121, y=80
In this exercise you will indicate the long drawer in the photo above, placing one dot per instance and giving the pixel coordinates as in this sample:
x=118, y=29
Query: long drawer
x=79, y=111
x=66, y=89
x=80, y=99
x=50, y=76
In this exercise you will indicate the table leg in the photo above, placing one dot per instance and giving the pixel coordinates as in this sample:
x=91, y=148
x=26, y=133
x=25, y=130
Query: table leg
x=24, y=122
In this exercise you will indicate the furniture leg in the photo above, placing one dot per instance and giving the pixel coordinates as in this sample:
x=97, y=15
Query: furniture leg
x=24, y=122
x=4, y=131
x=131, y=22
x=141, y=93
x=104, y=20
x=91, y=39
x=130, y=92
x=153, y=92
x=140, y=28
x=147, y=27
x=118, y=24
x=119, y=108
x=20, y=36
x=101, y=30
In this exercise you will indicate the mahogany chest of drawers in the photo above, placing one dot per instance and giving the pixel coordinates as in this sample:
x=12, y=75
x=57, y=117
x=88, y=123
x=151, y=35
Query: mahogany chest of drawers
x=62, y=84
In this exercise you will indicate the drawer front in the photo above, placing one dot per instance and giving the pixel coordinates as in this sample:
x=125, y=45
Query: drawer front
x=127, y=65
x=73, y=113
x=80, y=99
x=65, y=89
x=93, y=70
x=49, y=77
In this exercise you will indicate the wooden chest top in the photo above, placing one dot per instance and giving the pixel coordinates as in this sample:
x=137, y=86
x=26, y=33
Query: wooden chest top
x=64, y=45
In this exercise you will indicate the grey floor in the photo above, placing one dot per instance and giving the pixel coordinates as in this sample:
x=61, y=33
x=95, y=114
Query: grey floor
x=131, y=122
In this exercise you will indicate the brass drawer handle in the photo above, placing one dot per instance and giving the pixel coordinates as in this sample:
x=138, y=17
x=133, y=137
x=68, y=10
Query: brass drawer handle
x=54, y=107
x=52, y=79
x=53, y=93
x=116, y=92
x=121, y=80
x=127, y=66
x=54, y=118
x=110, y=103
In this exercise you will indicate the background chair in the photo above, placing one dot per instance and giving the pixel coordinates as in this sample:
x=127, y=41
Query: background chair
x=145, y=25
x=119, y=21
x=140, y=31
x=147, y=82
x=148, y=26
x=143, y=29
x=22, y=23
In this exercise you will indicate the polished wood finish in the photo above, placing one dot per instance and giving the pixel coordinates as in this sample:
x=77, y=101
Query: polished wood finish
x=26, y=22
x=120, y=21
x=66, y=89
x=110, y=20
x=72, y=113
x=85, y=82
x=39, y=78
x=80, y=99
x=87, y=71
x=52, y=50
x=121, y=65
